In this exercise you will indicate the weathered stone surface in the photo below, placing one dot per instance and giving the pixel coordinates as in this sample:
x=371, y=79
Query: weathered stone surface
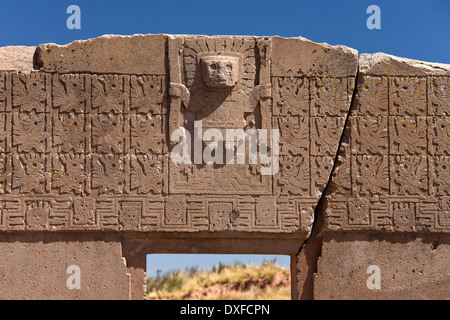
x=17, y=58
x=410, y=267
x=392, y=172
x=88, y=140
x=300, y=57
x=381, y=64
x=91, y=143
x=137, y=54
x=36, y=266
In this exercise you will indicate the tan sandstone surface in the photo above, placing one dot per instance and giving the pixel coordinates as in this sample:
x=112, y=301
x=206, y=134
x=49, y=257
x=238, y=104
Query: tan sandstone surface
x=359, y=176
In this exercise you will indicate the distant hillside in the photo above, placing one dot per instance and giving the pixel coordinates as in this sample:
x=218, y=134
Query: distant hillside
x=267, y=281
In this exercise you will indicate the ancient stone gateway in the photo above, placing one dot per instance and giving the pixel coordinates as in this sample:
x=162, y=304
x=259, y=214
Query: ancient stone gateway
x=344, y=164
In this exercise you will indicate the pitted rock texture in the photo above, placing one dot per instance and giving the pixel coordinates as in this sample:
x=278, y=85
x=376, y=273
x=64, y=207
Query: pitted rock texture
x=87, y=146
x=393, y=173
x=86, y=165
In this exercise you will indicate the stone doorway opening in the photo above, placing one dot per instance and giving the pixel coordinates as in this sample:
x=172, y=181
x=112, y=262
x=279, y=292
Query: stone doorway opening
x=218, y=277
x=136, y=249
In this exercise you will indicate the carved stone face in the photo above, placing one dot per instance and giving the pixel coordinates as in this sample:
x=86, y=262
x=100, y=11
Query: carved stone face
x=220, y=71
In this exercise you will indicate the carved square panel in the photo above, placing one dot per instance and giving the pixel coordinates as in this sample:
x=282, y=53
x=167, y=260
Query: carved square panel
x=29, y=132
x=370, y=175
x=290, y=96
x=147, y=94
x=72, y=93
x=439, y=136
x=408, y=175
x=371, y=98
x=110, y=133
x=329, y=97
x=407, y=96
x=32, y=92
x=71, y=132
x=408, y=135
x=439, y=96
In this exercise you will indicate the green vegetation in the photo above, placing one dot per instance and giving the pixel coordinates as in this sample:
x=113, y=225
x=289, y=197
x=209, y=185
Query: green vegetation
x=267, y=281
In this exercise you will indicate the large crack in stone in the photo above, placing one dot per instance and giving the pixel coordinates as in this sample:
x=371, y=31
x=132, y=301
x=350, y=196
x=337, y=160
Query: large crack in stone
x=294, y=85
x=310, y=250
x=423, y=94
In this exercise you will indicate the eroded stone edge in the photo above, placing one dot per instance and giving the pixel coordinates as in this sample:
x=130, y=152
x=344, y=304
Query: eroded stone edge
x=377, y=64
x=17, y=58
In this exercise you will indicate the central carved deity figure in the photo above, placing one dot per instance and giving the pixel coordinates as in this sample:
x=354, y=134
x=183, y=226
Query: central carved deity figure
x=224, y=82
x=220, y=71
x=222, y=103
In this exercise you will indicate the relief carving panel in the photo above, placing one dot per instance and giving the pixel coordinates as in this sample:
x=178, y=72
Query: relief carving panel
x=397, y=157
x=94, y=151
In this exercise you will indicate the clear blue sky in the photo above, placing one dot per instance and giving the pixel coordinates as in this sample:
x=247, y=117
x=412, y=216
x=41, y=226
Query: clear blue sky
x=417, y=29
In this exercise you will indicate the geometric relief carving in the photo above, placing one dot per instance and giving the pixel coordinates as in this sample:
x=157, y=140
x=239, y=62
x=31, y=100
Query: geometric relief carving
x=439, y=136
x=439, y=175
x=321, y=167
x=294, y=177
x=325, y=135
x=147, y=134
x=146, y=174
x=69, y=132
x=290, y=96
x=147, y=93
x=5, y=92
x=108, y=214
x=175, y=211
x=358, y=211
x=409, y=175
x=220, y=216
x=444, y=213
x=4, y=132
x=29, y=173
x=13, y=214
x=29, y=132
x=230, y=179
x=266, y=212
x=130, y=213
x=153, y=214
x=369, y=135
x=84, y=212
x=329, y=97
x=408, y=135
x=69, y=173
x=71, y=93
x=31, y=92
x=110, y=173
x=397, y=149
x=407, y=96
x=404, y=216
x=294, y=135
x=110, y=93
x=439, y=96
x=372, y=97
x=109, y=133
x=370, y=175
x=5, y=173
x=37, y=215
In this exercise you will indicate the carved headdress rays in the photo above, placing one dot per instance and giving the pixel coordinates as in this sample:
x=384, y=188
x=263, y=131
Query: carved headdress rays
x=243, y=48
